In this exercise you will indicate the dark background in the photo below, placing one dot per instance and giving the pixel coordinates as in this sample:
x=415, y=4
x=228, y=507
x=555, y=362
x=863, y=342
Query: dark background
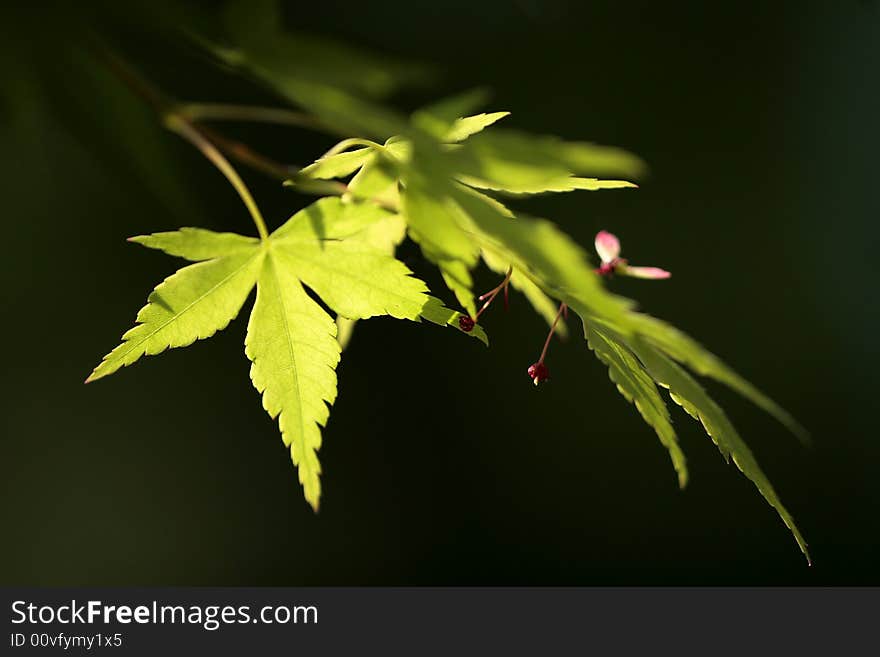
x=443, y=465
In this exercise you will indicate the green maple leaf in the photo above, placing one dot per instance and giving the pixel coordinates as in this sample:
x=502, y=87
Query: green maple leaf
x=432, y=172
x=686, y=392
x=338, y=165
x=684, y=349
x=336, y=249
x=292, y=345
x=638, y=387
x=639, y=363
x=640, y=350
x=385, y=234
x=259, y=37
x=192, y=304
x=437, y=176
x=520, y=163
x=465, y=126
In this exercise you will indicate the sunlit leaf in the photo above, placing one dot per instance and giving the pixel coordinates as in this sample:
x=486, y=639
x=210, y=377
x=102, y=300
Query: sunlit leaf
x=190, y=305
x=524, y=164
x=338, y=165
x=197, y=243
x=691, y=396
x=519, y=182
x=292, y=344
x=341, y=251
x=436, y=177
x=376, y=180
x=344, y=331
x=466, y=126
x=436, y=313
x=435, y=223
x=684, y=349
x=354, y=279
x=637, y=386
x=538, y=248
x=437, y=118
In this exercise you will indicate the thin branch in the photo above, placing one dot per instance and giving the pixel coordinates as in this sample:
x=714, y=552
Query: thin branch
x=249, y=113
x=183, y=120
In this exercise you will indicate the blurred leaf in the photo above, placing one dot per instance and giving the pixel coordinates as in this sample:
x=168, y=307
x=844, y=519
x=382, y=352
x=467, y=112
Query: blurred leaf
x=526, y=164
x=377, y=180
x=458, y=279
x=452, y=223
x=331, y=80
x=257, y=28
x=434, y=224
x=437, y=118
x=378, y=177
x=444, y=112
x=503, y=179
x=552, y=154
x=386, y=233
x=338, y=165
x=466, y=126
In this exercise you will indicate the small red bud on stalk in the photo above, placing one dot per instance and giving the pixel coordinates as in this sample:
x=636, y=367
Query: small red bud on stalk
x=466, y=323
x=608, y=248
x=539, y=371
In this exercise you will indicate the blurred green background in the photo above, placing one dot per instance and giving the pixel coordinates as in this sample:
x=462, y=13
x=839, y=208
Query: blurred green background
x=443, y=465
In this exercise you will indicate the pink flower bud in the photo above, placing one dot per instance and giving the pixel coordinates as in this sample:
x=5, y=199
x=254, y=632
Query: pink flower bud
x=608, y=248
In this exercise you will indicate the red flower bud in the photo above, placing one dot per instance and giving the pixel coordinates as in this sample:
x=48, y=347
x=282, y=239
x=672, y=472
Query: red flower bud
x=539, y=372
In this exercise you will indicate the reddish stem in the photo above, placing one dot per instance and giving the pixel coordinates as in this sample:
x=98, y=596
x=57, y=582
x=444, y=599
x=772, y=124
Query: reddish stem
x=491, y=294
x=563, y=309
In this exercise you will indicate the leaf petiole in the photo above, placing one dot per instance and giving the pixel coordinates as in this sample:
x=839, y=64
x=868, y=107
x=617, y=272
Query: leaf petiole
x=186, y=130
